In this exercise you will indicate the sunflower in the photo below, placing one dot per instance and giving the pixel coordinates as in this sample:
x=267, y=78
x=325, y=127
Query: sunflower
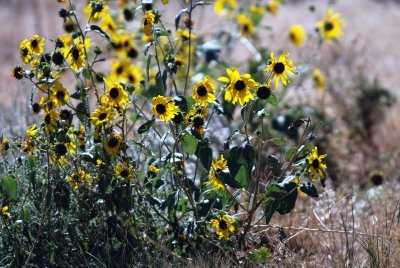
x=316, y=166
x=64, y=43
x=25, y=51
x=5, y=145
x=273, y=7
x=223, y=7
x=223, y=226
x=264, y=92
x=103, y=115
x=31, y=132
x=134, y=75
x=115, y=92
x=59, y=95
x=36, y=44
x=217, y=166
x=50, y=120
x=331, y=27
x=297, y=35
x=319, y=79
x=78, y=178
x=257, y=9
x=17, y=72
x=125, y=171
x=246, y=26
x=5, y=214
x=164, y=108
x=279, y=68
x=81, y=137
x=113, y=144
x=196, y=118
x=203, y=92
x=148, y=22
x=239, y=86
x=76, y=56
x=109, y=26
x=96, y=10
x=154, y=169
x=119, y=69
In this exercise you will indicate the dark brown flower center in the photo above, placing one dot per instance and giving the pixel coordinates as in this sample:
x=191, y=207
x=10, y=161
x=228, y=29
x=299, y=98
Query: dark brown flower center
x=60, y=149
x=114, y=92
x=240, y=85
x=75, y=53
x=279, y=67
x=34, y=43
x=198, y=122
x=47, y=119
x=223, y=225
x=102, y=116
x=315, y=163
x=328, y=26
x=132, y=53
x=201, y=91
x=124, y=173
x=160, y=108
x=60, y=95
x=145, y=22
x=120, y=69
x=25, y=51
x=246, y=28
x=263, y=92
x=113, y=142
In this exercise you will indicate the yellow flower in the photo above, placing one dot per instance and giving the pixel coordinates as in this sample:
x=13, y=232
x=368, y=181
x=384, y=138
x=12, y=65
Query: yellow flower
x=134, y=74
x=164, y=2
x=5, y=145
x=217, y=166
x=50, y=120
x=223, y=226
x=316, y=167
x=31, y=132
x=273, y=7
x=246, y=26
x=256, y=9
x=184, y=35
x=81, y=137
x=223, y=7
x=279, y=68
x=103, y=115
x=154, y=169
x=59, y=95
x=331, y=27
x=297, y=35
x=36, y=44
x=196, y=119
x=319, y=79
x=148, y=22
x=5, y=214
x=65, y=41
x=113, y=144
x=78, y=178
x=25, y=51
x=239, y=86
x=116, y=93
x=125, y=171
x=96, y=10
x=76, y=56
x=203, y=92
x=108, y=25
x=164, y=108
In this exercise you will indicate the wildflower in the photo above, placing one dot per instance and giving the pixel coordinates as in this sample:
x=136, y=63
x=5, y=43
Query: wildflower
x=108, y=25
x=5, y=145
x=76, y=56
x=223, y=7
x=164, y=108
x=103, y=115
x=78, y=178
x=331, y=27
x=115, y=92
x=64, y=43
x=60, y=149
x=148, y=22
x=246, y=26
x=154, y=169
x=96, y=10
x=273, y=7
x=319, y=79
x=264, y=92
x=256, y=9
x=17, y=72
x=316, y=165
x=223, y=226
x=81, y=137
x=28, y=147
x=134, y=75
x=31, y=132
x=5, y=214
x=297, y=35
x=217, y=166
x=196, y=119
x=113, y=144
x=57, y=58
x=376, y=177
x=203, y=92
x=69, y=25
x=279, y=68
x=66, y=116
x=25, y=51
x=125, y=171
x=36, y=44
x=50, y=120
x=59, y=95
x=185, y=35
x=239, y=86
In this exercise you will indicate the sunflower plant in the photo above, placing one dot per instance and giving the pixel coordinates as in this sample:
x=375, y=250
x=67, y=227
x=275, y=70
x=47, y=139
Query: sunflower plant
x=128, y=151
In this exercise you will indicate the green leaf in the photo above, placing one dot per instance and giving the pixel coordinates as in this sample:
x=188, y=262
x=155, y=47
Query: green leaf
x=309, y=189
x=287, y=203
x=146, y=126
x=135, y=117
x=273, y=100
x=97, y=29
x=189, y=143
x=243, y=177
x=260, y=255
x=86, y=73
x=270, y=208
x=279, y=141
x=290, y=153
x=204, y=153
x=9, y=185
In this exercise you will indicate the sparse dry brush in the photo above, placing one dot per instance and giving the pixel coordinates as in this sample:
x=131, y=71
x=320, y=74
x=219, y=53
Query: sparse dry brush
x=151, y=148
